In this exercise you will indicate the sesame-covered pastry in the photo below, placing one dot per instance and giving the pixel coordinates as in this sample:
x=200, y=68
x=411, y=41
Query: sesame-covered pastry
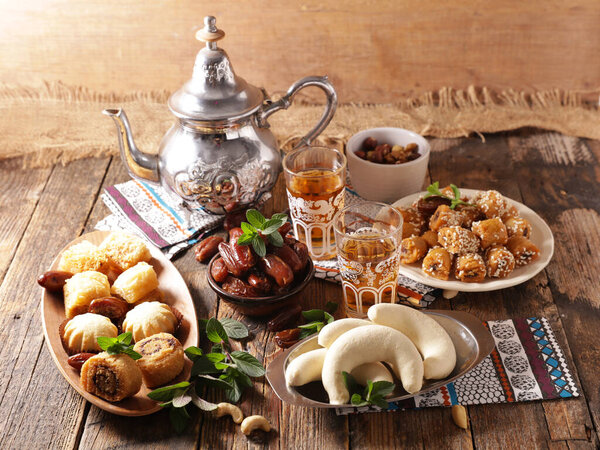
x=413, y=222
x=162, y=358
x=412, y=249
x=470, y=214
x=112, y=377
x=469, y=268
x=491, y=203
x=437, y=263
x=517, y=226
x=499, y=261
x=445, y=217
x=458, y=240
x=523, y=250
x=431, y=238
x=490, y=232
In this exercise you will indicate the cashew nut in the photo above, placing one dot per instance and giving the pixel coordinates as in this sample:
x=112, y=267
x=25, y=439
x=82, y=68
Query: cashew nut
x=371, y=371
x=330, y=332
x=430, y=338
x=370, y=344
x=252, y=423
x=305, y=368
x=460, y=417
x=224, y=409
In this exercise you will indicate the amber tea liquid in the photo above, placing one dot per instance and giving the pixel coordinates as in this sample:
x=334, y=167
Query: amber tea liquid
x=315, y=196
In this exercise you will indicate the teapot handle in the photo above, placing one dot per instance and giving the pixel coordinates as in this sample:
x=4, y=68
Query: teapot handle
x=285, y=102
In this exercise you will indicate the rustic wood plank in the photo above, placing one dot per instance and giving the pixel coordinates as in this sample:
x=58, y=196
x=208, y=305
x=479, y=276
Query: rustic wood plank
x=30, y=384
x=20, y=192
x=565, y=191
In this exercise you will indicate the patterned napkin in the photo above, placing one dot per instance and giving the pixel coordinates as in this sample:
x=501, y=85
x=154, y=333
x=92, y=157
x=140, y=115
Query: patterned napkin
x=526, y=364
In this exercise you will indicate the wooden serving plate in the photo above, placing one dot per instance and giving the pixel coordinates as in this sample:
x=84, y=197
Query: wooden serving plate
x=176, y=294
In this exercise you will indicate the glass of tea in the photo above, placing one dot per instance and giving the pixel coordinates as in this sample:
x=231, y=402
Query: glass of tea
x=315, y=178
x=368, y=237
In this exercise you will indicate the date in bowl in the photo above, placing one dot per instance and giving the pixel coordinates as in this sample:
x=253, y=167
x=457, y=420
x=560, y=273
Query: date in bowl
x=261, y=306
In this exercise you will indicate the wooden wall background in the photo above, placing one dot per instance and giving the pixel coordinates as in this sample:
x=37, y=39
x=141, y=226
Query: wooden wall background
x=374, y=51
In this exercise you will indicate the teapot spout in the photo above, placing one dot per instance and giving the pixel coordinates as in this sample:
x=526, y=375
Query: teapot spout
x=140, y=165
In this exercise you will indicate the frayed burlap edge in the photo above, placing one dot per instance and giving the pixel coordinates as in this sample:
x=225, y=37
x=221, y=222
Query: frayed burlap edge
x=58, y=123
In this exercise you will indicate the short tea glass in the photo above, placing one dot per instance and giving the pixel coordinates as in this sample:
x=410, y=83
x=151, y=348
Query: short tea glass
x=368, y=237
x=315, y=179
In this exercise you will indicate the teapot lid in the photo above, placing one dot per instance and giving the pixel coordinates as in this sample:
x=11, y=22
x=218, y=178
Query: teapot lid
x=214, y=92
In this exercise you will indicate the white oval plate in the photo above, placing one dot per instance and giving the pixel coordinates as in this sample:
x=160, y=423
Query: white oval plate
x=541, y=236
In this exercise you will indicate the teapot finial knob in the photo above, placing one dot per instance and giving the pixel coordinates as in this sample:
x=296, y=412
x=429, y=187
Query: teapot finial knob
x=210, y=33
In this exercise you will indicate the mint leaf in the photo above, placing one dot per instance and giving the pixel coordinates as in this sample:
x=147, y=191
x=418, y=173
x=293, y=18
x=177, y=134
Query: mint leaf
x=193, y=352
x=378, y=400
x=307, y=332
x=328, y=317
x=314, y=314
x=105, y=342
x=357, y=400
x=215, y=331
x=255, y=218
x=132, y=353
x=165, y=394
x=280, y=216
x=207, y=380
x=125, y=338
x=247, y=228
x=181, y=399
x=203, y=365
x=310, y=326
x=259, y=246
x=351, y=384
x=179, y=418
x=275, y=239
x=382, y=388
x=456, y=191
x=246, y=239
x=202, y=404
x=272, y=225
x=215, y=357
x=248, y=364
x=118, y=345
x=233, y=328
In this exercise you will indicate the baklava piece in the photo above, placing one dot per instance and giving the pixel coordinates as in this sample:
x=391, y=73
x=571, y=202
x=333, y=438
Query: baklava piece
x=81, y=289
x=81, y=332
x=490, y=232
x=83, y=257
x=445, y=217
x=499, y=261
x=431, y=238
x=413, y=222
x=111, y=377
x=124, y=250
x=458, y=240
x=517, y=226
x=437, y=263
x=491, y=203
x=149, y=318
x=523, y=250
x=135, y=283
x=412, y=249
x=162, y=359
x=470, y=268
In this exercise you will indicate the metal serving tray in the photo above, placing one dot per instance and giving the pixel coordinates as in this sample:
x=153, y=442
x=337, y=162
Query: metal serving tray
x=471, y=338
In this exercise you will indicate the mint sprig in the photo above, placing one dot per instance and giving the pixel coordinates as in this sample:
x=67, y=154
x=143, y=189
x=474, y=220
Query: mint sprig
x=257, y=227
x=318, y=319
x=223, y=369
x=120, y=344
x=434, y=190
x=373, y=394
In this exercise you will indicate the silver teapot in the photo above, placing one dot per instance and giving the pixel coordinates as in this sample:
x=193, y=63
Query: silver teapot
x=219, y=154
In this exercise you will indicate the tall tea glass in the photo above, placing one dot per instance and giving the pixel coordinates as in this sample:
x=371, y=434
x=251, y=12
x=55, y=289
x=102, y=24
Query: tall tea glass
x=368, y=237
x=315, y=178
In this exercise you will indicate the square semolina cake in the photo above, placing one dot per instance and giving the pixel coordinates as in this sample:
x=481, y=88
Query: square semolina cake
x=82, y=257
x=124, y=250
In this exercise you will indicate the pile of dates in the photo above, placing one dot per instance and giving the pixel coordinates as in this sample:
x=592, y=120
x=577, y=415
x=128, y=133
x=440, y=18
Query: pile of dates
x=240, y=271
x=373, y=151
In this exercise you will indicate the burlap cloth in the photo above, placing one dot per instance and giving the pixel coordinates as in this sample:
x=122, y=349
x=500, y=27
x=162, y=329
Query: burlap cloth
x=58, y=123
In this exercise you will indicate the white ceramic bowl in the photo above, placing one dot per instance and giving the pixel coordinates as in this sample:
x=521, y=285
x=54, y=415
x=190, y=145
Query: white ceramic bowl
x=387, y=182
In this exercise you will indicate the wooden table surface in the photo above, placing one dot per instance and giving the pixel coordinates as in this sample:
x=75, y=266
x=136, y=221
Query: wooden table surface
x=557, y=176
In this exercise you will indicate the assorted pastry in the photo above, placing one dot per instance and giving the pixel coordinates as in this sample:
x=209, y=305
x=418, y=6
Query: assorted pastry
x=260, y=259
x=110, y=289
x=410, y=343
x=468, y=238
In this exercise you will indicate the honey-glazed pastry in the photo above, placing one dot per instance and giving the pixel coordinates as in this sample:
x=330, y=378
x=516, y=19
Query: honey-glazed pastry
x=437, y=263
x=82, y=257
x=413, y=222
x=111, y=377
x=458, y=240
x=511, y=211
x=124, y=250
x=470, y=214
x=431, y=238
x=491, y=203
x=499, y=261
x=523, y=250
x=445, y=217
x=517, y=226
x=149, y=318
x=80, y=333
x=470, y=268
x=81, y=289
x=490, y=232
x=135, y=283
x=162, y=358
x=412, y=249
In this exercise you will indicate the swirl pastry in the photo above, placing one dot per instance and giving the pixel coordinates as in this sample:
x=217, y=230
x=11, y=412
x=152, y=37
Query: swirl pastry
x=124, y=250
x=81, y=289
x=135, y=283
x=162, y=358
x=491, y=232
x=437, y=263
x=412, y=249
x=523, y=250
x=149, y=318
x=499, y=261
x=458, y=240
x=112, y=377
x=80, y=333
x=470, y=268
